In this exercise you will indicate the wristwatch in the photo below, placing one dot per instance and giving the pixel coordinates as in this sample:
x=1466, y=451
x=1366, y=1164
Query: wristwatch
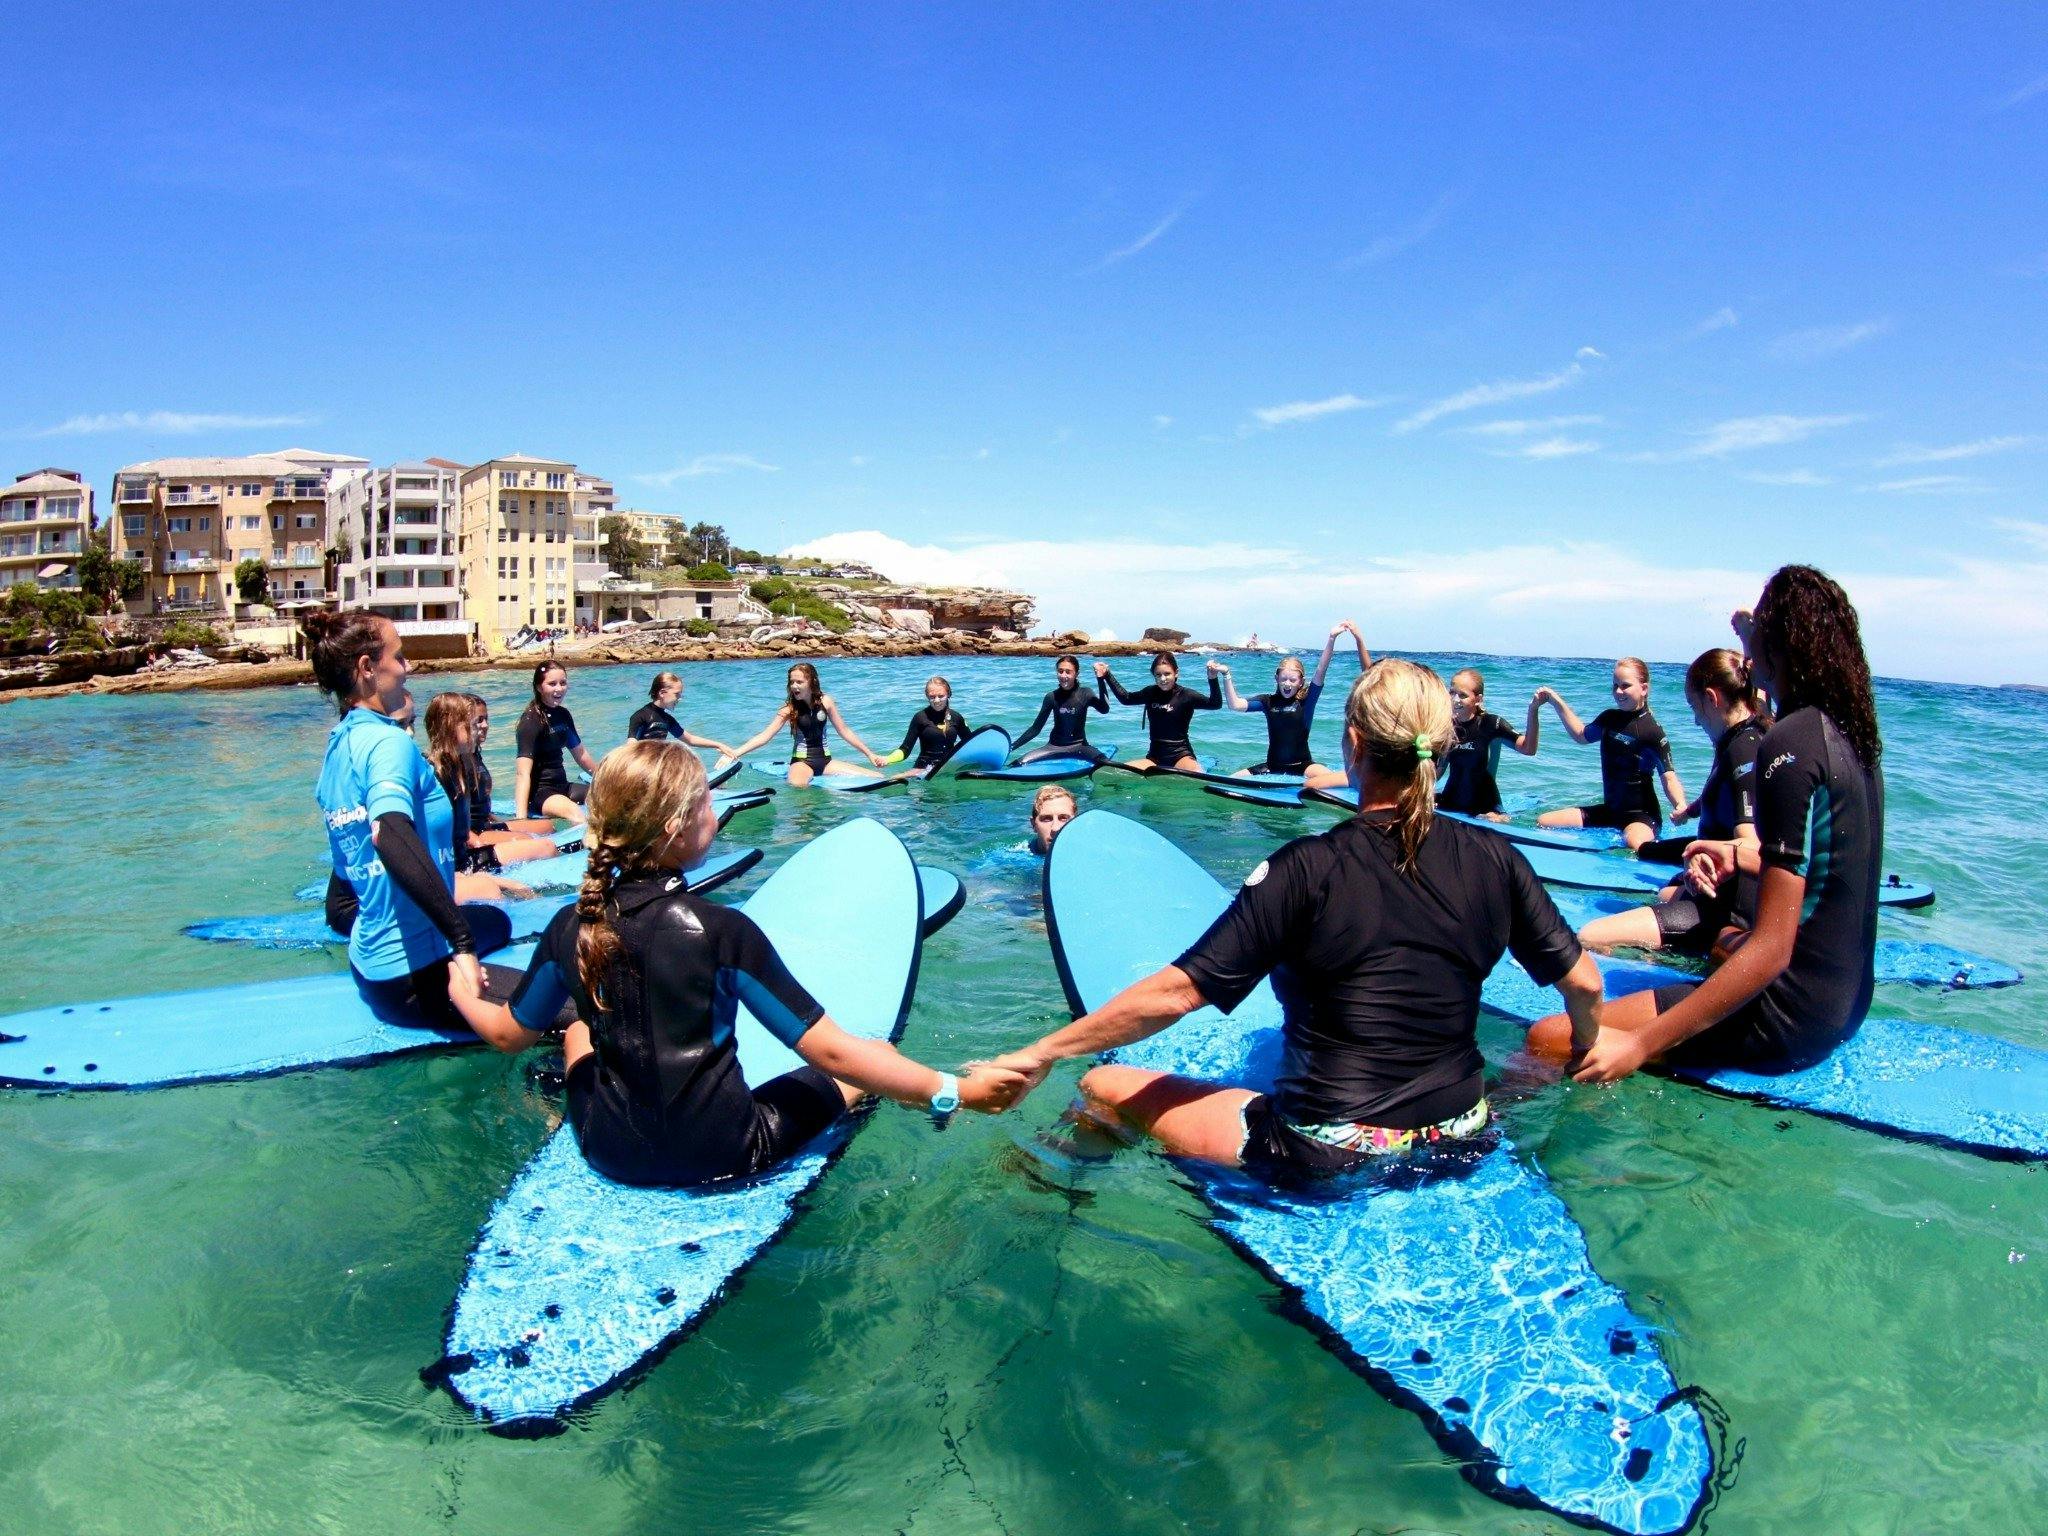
x=947, y=1099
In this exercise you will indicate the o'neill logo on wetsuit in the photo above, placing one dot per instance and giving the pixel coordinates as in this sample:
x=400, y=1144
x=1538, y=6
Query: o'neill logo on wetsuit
x=1258, y=874
x=1780, y=761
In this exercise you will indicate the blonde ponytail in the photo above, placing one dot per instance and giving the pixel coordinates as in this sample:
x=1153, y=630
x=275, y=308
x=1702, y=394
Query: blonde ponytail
x=1400, y=713
x=641, y=791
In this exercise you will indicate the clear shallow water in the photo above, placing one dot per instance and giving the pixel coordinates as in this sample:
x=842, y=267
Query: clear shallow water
x=219, y=1297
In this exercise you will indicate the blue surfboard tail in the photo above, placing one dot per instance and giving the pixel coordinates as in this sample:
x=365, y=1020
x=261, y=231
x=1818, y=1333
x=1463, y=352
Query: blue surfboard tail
x=980, y=751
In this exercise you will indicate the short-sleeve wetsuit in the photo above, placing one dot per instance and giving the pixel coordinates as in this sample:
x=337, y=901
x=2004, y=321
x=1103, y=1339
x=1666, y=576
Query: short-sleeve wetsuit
x=1820, y=815
x=1067, y=709
x=545, y=736
x=651, y=720
x=1633, y=751
x=1469, y=785
x=933, y=735
x=1288, y=721
x=661, y=1100
x=1378, y=976
x=483, y=814
x=1689, y=921
x=807, y=735
x=1168, y=712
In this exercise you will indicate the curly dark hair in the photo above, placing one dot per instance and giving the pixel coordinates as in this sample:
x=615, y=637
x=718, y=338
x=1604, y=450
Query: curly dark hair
x=1808, y=638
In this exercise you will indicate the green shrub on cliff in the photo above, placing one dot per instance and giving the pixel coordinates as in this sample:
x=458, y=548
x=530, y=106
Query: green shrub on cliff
x=791, y=601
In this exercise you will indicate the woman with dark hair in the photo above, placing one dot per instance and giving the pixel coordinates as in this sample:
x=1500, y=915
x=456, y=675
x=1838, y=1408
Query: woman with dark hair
x=806, y=710
x=1066, y=706
x=1727, y=706
x=1801, y=983
x=485, y=822
x=1634, y=752
x=547, y=732
x=391, y=829
x=450, y=739
x=1168, y=710
x=1377, y=935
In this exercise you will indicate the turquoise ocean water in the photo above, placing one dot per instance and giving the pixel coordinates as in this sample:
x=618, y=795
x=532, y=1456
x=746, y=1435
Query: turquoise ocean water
x=217, y=1299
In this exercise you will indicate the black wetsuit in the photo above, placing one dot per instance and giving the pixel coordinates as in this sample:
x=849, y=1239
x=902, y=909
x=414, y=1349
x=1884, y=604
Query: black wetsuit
x=1167, y=714
x=1689, y=921
x=1820, y=815
x=1633, y=751
x=662, y=1100
x=807, y=732
x=546, y=737
x=1378, y=974
x=933, y=735
x=1287, y=727
x=1469, y=785
x=651, y=720
x=484, y=816
x=1067, y=708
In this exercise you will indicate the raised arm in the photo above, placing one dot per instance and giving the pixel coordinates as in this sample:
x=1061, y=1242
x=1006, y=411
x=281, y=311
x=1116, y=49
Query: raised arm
x=1230, y=693
x=1329, y=650
x=1364, y=656
x=1108, y=680
x=766, y=734
x=1567, y=716
x=1527, y=742
x=1215, y=698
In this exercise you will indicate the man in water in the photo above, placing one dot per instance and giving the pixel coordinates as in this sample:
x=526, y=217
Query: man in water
x=1051, y=808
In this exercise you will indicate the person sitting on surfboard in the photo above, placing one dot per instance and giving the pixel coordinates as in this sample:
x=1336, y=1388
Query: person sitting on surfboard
x=1377, y=935
x=934, y=730
x=485, y=821
x=657, y=977
x=1051, y=808
x=1290, y=709
x=449, y=738
x=1168, y=709
x=1469, y=786
x=806, y=711
x=1066, y=706
x=1727, y=705
x=1801, y=983
x=1633, y=750
x=547, y=733
x=654, y=718
x=390, y=827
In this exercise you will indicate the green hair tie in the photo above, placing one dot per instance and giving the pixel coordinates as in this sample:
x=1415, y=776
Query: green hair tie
x=1424, y=752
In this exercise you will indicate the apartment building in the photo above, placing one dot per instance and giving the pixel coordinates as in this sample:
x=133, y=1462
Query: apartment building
x=395, y=532
x=44, y=518
x=514, y=541
x=595, y=500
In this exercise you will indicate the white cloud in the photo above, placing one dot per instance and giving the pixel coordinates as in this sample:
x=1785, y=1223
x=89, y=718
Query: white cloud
x=1931, y=485
x=1720, y=320
x=1787, y=477
x=1550, y=448
x=1819, y=341
x=1953, y=451
x=1527, y=425
x=2026, y=93
x=1743, y=434
x=1310, y=410
x=707, y=464
x=1402, y=239
x=164, y=421
x=858, y=461
x=1590, y=355
x=1488, y=394
x=1126, y=252
x=2033, y=535
x=1162, y=422
x=1971, y=618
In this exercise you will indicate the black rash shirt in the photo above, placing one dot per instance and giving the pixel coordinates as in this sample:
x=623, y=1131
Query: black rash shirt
x=1378, y=973
x=651, y=721
x=1168, y=712
x=672, y=1105
x=1288, y=722
x=933, y=735
x=1469, y=786
x=544, y=737
x=1067, y=708
x=1633, y=750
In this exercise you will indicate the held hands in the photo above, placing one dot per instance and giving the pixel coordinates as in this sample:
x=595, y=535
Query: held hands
x=1685, y=813
x=1218, y=669
x=1708, y=864
x=1743, y=622
x=1613, y=1055
x=990, y=1089
x=465, y=978
x=1101, y=670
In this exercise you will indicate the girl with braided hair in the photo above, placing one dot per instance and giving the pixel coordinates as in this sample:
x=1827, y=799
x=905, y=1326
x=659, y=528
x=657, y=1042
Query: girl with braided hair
x=657, y=977
x=1800, y=983
x=1377, y=935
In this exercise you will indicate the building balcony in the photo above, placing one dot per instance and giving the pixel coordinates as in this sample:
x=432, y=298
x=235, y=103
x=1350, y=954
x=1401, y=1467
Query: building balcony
x=187, y=567
x=191, y=496
x=131, y=493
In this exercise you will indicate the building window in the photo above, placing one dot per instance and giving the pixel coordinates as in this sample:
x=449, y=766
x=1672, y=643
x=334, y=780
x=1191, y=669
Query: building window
x=181, y=525
x=131, y=525
x=508, y=477
x=206, y=525
x=307, y=519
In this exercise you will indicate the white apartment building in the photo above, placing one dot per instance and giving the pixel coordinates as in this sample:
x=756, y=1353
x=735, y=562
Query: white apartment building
x=44, y=518
x=396, y=530
x=594, y=501
x=514, y=543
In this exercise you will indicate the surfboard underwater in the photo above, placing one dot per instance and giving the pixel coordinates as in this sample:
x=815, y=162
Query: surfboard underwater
x=1903, y=962
x=1920, y=1082
x=1571, y=839
x=1039, y=770
x=307, y=928
x=576, y=1283
x=1289, y=798
x=1612, y=872
x=1460, y=1285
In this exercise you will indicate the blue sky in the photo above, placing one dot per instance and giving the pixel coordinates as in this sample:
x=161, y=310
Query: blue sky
x=1545, y=334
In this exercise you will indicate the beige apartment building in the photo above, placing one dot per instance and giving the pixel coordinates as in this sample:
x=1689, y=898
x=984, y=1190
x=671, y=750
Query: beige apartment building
x=514, y=540
x=190, y=521
x=44, y=518
x=395, y=540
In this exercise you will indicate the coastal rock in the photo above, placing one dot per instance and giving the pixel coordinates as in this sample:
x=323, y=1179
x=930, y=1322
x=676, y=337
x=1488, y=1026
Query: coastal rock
x=1165, y=637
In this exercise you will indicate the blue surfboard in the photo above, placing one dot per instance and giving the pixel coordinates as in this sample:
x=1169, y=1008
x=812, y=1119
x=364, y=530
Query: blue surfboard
x=983, y=750
x=837, y=783
x=944, y=896
x=1461, y=1288
x=1250, y=794
x=1921, y=1082
x=576, y=1283
x=1572, y=839
x=307, y=929
x=1614, y=872
x=1039, y=770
